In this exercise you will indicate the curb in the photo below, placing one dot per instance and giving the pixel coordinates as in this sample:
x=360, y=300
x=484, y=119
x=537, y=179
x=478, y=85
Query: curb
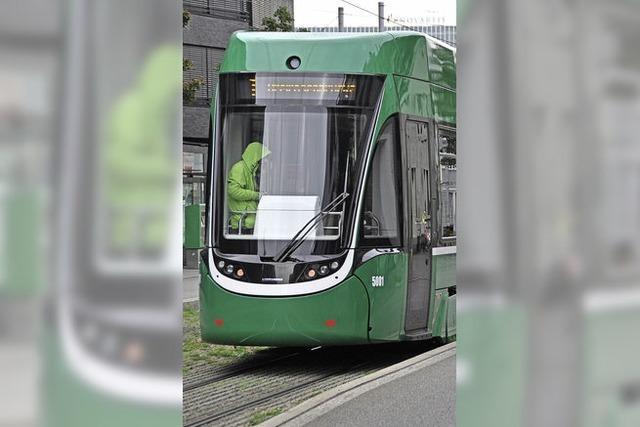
x=331, y=399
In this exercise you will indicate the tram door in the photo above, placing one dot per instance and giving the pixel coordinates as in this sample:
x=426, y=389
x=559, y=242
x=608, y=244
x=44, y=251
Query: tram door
x=419, y=280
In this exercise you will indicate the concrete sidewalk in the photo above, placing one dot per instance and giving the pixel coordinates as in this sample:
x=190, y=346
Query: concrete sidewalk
x=190, y=285
x=417, y=392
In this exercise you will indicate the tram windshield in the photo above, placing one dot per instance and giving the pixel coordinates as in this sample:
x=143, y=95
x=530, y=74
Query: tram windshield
x=289, y=145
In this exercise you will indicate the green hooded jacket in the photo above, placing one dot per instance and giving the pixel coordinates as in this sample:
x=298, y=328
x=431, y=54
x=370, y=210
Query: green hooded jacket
x=242, y=194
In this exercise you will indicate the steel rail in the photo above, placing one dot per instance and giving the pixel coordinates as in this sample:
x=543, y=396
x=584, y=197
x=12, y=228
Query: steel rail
x=251, y=404
x=230, y=373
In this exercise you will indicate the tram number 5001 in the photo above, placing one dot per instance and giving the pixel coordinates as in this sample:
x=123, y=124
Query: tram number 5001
x=377, y=281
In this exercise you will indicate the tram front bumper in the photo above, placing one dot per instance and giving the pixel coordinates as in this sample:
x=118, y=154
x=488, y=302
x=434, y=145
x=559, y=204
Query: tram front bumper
x=337, y=316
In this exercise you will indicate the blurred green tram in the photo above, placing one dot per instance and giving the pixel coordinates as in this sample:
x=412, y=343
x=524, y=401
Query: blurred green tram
x=353, y=238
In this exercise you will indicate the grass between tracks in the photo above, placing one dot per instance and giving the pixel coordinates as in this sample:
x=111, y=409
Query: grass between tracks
x=195, y=352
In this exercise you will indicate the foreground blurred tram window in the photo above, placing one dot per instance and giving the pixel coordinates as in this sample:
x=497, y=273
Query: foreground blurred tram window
x=111, y=350
x=549, y=223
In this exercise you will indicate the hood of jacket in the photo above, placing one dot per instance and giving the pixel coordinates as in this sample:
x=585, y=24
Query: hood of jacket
x=253, y=154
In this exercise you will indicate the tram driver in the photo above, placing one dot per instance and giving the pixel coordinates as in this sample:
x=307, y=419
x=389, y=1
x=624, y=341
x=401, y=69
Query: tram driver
x=243, y=187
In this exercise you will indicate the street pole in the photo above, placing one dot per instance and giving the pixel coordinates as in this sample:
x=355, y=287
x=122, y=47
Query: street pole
x=380, y=16
x=340, y=19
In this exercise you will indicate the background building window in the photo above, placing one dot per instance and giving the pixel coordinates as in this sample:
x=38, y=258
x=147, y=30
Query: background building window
x=238, y=10
x=193, y=162
x=194, y=168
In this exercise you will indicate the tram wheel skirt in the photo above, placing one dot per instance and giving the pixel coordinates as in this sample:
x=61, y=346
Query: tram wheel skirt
x=337, y=316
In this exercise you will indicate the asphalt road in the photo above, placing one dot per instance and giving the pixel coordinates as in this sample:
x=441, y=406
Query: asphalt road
x=423, y=398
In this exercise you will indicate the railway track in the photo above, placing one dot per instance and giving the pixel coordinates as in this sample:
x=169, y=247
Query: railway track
x=232, y=396
x=253, y=364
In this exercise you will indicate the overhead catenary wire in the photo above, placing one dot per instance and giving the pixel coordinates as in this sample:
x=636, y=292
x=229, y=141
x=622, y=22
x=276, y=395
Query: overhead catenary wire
x=326, y=24
x=376, y=15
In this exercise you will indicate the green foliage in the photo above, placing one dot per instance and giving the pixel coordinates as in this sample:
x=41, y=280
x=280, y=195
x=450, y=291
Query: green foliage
x=282, y=20
x=186, y=18
x=189, y=87
x=262, y=416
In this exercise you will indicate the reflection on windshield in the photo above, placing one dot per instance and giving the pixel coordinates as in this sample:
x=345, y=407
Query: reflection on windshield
x=289, y=145
x=282, y=177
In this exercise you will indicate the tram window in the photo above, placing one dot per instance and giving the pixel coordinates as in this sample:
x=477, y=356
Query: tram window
x=380, y=224
x=448, y=170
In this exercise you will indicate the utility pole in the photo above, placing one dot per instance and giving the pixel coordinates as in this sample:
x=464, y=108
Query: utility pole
x=340, y=19
x=380, y=16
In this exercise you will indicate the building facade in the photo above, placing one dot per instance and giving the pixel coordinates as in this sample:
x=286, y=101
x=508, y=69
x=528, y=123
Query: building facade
x=204, y=42
x=446, y=33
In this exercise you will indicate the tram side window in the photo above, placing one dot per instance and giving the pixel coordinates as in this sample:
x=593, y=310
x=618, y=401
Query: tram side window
x=380, y=224
x=448, y=170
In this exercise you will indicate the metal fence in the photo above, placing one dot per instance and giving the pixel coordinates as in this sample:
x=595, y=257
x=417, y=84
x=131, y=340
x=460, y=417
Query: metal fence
x=206, y=61
x=238, y=10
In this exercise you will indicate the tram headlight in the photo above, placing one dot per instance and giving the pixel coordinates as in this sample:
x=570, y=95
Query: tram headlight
x=221, y=264
x=311, y=273
x=240, y=272
x=323, y=270
x=229, y=269
x=335, y=265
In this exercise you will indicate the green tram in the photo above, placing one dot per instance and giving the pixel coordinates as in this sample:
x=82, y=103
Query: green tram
x=332, y=191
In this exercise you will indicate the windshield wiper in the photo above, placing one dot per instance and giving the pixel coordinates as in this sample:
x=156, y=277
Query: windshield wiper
x=297, y=240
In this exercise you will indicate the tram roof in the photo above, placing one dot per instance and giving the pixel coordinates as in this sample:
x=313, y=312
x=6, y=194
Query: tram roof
x=405, y=53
